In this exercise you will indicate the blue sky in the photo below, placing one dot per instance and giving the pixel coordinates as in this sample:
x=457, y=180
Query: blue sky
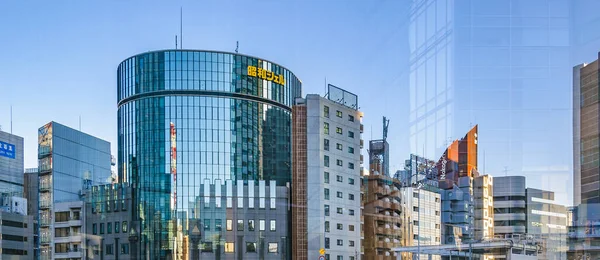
x=58, y=61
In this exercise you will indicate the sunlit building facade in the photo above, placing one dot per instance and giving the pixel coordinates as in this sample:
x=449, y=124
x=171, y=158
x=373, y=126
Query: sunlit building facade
x=586, y=118
x=204, y=140
x=333, y=178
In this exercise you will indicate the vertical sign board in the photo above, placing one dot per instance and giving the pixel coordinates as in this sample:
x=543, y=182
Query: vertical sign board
x=7, y=150
x=173, y=167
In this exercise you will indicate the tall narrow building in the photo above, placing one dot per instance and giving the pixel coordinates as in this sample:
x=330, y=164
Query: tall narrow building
x=299, y=194
x=69, y=162
x=331, y=153
x=421, y=197
x=383, y=211
x=457, y=169
x=586, y=127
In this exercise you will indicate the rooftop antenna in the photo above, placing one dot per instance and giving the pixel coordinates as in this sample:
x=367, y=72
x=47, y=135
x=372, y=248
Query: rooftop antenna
x=237, y=46
x=386, y=124
x=326, y=93
x=181, y=27
x=506, y=171
x=11, y=119
x=176, y=41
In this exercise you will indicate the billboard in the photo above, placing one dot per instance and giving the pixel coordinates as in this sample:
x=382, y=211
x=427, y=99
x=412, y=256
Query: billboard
x=7, y=150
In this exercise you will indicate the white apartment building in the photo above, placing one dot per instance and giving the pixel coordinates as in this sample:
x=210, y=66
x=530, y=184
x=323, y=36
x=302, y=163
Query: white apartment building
x=68, y=238
x=333, y=175
x=425, y=217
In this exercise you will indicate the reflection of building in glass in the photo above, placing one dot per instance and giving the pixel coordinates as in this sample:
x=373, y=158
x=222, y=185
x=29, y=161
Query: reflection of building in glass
x=69, y=160
x=11, y=164
x=502, y=64
x=228, y=189
x=331, y=154
x=521, y=212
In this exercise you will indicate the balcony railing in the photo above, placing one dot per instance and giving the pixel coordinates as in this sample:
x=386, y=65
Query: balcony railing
x=45, y=169
x=44, y=151
x=45, y=187
x=45, y=204
x=45, y=239
x=45, y=221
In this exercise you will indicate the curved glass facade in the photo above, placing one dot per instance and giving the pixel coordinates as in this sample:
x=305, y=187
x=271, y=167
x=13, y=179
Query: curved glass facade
x=204, y=138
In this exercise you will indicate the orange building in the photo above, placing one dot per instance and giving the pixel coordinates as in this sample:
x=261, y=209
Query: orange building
x=459, y=159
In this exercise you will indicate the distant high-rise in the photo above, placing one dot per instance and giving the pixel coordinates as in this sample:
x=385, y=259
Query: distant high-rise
x=586, y=119
x=69, y=162
x=11, y=164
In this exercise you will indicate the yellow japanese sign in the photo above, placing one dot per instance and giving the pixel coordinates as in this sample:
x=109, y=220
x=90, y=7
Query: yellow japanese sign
x=254, y=71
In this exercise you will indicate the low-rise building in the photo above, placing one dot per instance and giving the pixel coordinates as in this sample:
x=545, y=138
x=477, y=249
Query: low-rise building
x=68, y=238
x=383, y=216
x=424, y=224
x=533, y=214
x=108, y=218
x=16, y=230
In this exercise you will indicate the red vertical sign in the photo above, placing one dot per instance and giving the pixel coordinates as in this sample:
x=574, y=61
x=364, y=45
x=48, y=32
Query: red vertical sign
x=174, y=166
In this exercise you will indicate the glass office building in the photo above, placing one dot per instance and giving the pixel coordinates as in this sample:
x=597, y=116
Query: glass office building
x=204, y=138
x=69, y=162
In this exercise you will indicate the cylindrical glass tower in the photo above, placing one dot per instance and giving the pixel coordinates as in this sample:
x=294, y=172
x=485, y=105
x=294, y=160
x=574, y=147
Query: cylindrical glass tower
x=204, y=139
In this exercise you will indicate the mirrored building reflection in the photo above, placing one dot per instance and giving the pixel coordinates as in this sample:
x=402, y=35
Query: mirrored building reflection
x=502, y=64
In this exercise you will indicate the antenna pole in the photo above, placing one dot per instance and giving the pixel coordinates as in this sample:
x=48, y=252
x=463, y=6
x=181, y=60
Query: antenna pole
x=237, y=46
x=181, y=27
x=326, y=87
x=11, y=119
x=176, y=42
